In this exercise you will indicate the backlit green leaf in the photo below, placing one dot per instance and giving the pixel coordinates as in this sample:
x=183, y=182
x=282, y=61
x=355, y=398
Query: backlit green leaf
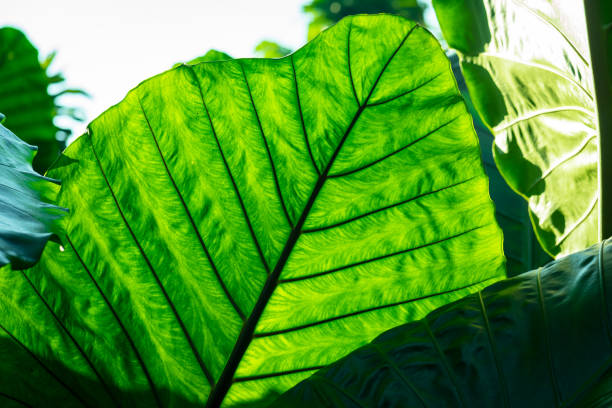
x=528, y=70
x=271, y=49
x=211, y=55
x=237, y=225
x=541, y=339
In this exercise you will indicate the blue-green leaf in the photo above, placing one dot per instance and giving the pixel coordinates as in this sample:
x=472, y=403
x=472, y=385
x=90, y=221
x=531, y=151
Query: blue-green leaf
x=27, y=219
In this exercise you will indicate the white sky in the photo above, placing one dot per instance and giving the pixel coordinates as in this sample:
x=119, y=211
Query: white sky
x=108, y=47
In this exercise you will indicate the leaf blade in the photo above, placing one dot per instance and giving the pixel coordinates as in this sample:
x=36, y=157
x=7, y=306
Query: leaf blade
x=527, y=340
x=198, y=152
x=546, y=129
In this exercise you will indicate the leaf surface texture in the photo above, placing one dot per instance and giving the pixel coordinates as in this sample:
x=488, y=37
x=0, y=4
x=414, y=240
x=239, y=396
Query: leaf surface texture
x=237, y=225
x=541, y=339
x=528, y=69
x=27, y=217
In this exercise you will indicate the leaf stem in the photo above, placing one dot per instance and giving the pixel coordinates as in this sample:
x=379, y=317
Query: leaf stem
x=597, y=33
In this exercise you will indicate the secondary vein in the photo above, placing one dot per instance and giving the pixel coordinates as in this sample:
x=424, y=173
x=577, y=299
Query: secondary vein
x=177, y=316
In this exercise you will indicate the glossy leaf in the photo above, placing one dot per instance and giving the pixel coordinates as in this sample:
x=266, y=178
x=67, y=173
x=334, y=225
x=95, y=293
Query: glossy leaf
x=523, y=251
x=528, y=70
x=541, y=339
x=521, y=247
x=236, y=225
x=27, y=220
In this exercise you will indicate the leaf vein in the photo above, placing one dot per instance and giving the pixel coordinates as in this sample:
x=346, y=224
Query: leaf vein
x=406, y=92
x=14, y=399
x=225, y=381
x=177, y=316
x=378, y=258
x=263, y=136
x=348, y=58
x=191, y=220
x=277, y=374
x=362, y=311
x=493, y=349
x=71, y=337
x=444, y=362
x=546, y=325
x=392, y=153
x=47, y=369
x=398, y=372
x=299, y=106
x=229, y=172
x=120, y=323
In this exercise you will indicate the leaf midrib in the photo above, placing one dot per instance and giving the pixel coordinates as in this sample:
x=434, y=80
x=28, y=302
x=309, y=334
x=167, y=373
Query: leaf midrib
x=224, y=383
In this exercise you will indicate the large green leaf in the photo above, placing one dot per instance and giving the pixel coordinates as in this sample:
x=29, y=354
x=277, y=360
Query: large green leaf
x=541, y=339
x=236, y=225
x=522, y=250
x=27, y=219
x=528, y=70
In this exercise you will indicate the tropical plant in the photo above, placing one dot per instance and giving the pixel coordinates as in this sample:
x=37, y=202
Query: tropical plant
x=521, y=247
x=523, y=342
x=25, y=99
x=27, y=220
x=529, y=73
x=237, y=225
x=211, y=55
x=327, y=12
x=270, y=49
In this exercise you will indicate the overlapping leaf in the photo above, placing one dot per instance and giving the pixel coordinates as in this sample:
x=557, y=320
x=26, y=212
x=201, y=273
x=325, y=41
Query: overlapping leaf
x=541, y=339
x=521, y=247
x=528, y=70
x=27, y=219
x=236, y=225
x=211, y=55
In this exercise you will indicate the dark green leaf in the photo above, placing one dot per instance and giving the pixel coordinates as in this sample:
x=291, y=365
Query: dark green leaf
x=27, y=220
x=25, y=100
x=541, y=339
x=236, y=225
x=528, y=70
